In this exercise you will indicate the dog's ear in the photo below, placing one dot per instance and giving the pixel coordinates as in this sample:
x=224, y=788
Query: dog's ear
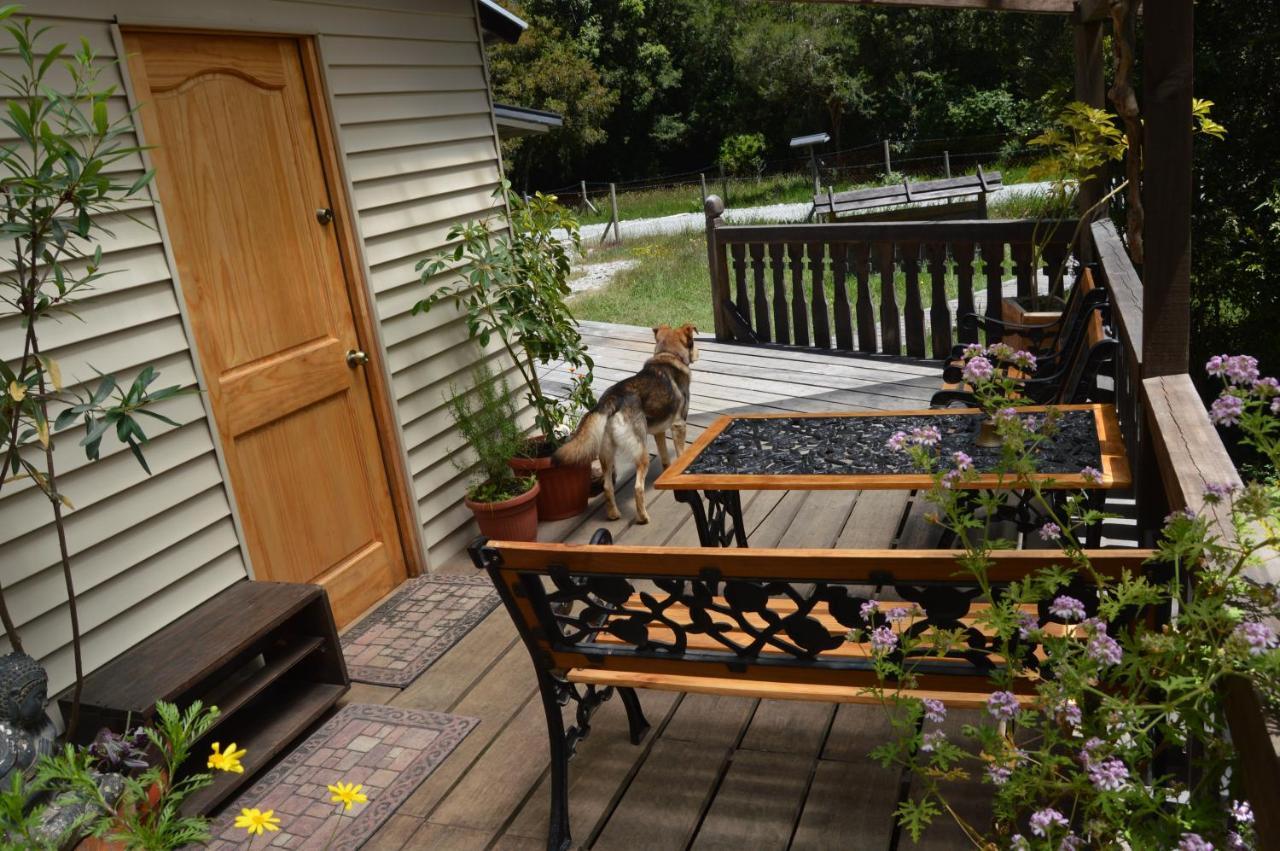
x=689, y=330
x=657, y=329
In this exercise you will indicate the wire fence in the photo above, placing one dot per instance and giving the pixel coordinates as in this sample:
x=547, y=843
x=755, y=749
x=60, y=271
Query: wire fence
x=785, y=179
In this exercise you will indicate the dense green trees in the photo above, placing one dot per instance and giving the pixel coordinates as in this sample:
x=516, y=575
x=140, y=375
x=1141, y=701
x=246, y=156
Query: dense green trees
x=654, y=86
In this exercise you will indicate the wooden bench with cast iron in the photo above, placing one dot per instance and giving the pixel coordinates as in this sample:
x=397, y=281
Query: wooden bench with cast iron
x=750, y=623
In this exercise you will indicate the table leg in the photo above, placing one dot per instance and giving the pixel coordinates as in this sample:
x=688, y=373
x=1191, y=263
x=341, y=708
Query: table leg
x=720, y=522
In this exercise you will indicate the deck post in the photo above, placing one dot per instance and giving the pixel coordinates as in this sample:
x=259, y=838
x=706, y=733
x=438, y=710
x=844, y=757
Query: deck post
x=1168, y=75
x=1090, y=88
x=717, y=267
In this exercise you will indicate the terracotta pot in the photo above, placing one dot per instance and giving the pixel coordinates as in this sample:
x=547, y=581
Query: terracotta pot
x=514, y=519
x=564, y=489
x=1012, y=310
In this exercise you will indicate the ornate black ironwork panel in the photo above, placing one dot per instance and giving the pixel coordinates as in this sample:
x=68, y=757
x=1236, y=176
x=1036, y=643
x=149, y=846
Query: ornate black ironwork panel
x=720, y=523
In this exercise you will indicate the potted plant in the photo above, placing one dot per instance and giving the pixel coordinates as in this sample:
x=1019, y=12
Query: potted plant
x=512, y=285
x=504, y=503
x=1084, y=141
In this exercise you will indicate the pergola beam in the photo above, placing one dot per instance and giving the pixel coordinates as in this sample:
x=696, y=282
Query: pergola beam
x=1042, y=7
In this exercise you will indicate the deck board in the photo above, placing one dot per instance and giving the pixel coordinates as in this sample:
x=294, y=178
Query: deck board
x=713, y=772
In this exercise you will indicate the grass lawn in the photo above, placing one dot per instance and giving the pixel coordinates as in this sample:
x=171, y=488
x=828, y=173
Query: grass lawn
x=671, y=284
x=743, y=192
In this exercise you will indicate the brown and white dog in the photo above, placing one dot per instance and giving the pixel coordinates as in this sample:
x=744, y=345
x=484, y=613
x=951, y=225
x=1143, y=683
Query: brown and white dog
x=652, y=401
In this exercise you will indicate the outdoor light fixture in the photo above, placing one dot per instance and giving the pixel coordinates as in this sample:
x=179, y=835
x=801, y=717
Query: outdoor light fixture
x=809, y=142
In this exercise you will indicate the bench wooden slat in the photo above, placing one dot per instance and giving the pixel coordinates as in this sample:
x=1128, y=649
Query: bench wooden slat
x=767, y=689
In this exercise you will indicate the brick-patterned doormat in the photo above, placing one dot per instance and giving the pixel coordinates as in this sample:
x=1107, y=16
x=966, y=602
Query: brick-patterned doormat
x=387, y=749
x=400, y=639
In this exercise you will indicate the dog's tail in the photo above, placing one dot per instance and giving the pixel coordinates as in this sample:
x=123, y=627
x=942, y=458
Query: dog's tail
x=584, y=444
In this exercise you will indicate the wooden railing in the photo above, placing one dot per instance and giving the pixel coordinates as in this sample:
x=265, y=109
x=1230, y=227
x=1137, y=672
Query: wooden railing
x=1176, y=452
x=836, y=285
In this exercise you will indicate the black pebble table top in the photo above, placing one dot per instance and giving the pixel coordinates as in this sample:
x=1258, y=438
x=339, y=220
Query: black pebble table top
x=850, y=451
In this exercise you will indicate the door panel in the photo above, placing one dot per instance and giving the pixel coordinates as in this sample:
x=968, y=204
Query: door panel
x=240, y=179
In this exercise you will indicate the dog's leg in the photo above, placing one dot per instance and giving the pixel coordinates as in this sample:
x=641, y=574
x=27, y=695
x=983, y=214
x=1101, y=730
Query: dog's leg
x=678, y=436
x=660, y=438
x=606, y=468
x=642, y=471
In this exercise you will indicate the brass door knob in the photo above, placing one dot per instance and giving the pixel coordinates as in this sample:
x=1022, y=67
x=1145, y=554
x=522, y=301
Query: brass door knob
x=355, y=358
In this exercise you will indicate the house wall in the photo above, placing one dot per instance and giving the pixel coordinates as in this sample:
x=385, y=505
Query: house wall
x=414, y=125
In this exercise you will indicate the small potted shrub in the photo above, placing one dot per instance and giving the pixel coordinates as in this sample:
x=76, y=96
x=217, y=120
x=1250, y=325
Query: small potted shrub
x=503, y=502
x=513, y=284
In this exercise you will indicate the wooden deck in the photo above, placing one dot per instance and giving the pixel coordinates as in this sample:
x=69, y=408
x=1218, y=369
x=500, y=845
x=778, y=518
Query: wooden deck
x=713, y=772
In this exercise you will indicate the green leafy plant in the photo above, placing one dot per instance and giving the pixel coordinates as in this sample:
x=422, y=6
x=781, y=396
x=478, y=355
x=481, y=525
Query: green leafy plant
x=512, y=286
x=487, y=419
x=1119, y=739
x=56, y=184
x=742, y=155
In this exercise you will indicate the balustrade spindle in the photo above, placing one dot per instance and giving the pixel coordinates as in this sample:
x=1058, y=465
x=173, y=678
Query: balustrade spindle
x=821, y=325
x=739, y=254
x=1054, y=254
x=962, y=254
x=782, y=333
x=865, y=309
x=799, y=306
x=939, y=310
x=761, y=300
x=843, y=315
x=1027, y=283
x=890, y=336
x=993, y=269
x=914, y=308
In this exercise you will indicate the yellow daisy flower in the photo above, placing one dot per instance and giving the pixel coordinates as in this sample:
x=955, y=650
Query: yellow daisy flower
x=348, y=794
x=228, y=760
x=255, y=821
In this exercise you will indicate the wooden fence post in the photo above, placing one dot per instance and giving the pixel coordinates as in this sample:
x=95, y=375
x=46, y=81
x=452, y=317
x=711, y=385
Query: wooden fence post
x=586, y=201
x=613, y=202
x=888, y=166
x=724, y=186
x=717, y=267
x=703, y=178
x=946, y=162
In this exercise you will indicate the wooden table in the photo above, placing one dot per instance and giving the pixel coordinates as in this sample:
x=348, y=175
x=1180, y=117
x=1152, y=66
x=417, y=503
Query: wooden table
x=719, y=523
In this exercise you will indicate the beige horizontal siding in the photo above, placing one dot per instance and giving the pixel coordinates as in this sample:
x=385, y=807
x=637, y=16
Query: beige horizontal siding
x=409, y=96
x=139, y=544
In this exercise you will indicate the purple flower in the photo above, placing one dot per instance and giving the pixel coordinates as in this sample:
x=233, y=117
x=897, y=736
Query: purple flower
x=1241, y=370
x=1027, y=624
x=1217, y=365
x=1091, y=475
x=1108, y=775
x=1219, y=492
x=1266, y=388
x=950, y=478
x=972, y=349
x=931, y=740
x=1236, y=842
x=898, y=613
x=898, y=442
x=1050, y=531
x=1002, y=705
x=868, y=610
x=1045, y=820
x=1070, y=842
x=936, y=712
x=1193, y=842
x=1241, y=812
x=883, y=639
x=1007, y=414
x=1226, y=409
x=1275, y=405
x=1104, y=649
x=926, y=436
x=1181, y=514
x=1024, y=360
x=1018, y=842
x=1067, y=608
x=1086, y=752
x=1257, y=637
x=1070, y=713
x=998, y=774
x=962, y=461
x=978, y=369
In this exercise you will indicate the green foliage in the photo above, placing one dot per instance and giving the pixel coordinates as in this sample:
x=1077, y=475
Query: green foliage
x=1082, y=142
x=512, y=285
x=147, y=816
x=742, y=154
x=1113, y=693
x=59, y=177
x=487, y=419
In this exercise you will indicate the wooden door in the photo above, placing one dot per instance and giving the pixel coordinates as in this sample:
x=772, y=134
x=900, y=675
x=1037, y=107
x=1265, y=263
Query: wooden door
x=240, y=180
